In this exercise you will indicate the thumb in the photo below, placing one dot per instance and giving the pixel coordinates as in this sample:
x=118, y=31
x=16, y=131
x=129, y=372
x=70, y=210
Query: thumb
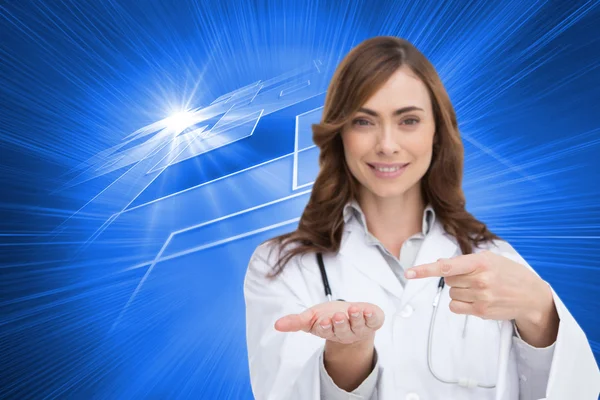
x=295, y=322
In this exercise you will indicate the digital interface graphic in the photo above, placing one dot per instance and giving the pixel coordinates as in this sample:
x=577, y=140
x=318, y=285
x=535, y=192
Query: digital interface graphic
x=148, y=148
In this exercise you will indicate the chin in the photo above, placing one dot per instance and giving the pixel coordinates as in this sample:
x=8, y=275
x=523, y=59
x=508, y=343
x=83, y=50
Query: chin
x=389, y=192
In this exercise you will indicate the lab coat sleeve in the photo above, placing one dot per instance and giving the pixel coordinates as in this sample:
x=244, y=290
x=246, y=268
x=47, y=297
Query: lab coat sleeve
x=366, y=390
x=283, y=366
x=533, y=364
x=573, y=371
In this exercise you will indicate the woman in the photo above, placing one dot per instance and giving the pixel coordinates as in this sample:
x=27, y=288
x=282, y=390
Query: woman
x=387, y=212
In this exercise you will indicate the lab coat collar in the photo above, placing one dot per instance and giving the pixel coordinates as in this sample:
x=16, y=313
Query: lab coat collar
x=367, y=259
x=352, y=209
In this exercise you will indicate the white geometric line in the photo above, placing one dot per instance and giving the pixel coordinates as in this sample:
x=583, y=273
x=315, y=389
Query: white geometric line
x=294, y=88
x=295, y=169
x=235, y=214
x=296, y=151
x=193, y=250
x=229, y=239
x=256, y=94
x=295, y=163
x=202, y=184
x=305, y=185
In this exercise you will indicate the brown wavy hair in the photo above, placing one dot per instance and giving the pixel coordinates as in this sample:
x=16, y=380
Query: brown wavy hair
x=360, y=74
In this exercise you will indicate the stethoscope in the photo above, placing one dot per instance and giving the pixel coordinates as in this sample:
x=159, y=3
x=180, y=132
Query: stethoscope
x=464, y=382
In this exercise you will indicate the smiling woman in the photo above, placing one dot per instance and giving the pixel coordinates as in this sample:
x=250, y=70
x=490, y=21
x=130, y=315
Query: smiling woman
x=386, y=225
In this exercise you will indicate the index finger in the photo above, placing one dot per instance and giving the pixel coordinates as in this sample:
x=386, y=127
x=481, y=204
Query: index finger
x=459, y=265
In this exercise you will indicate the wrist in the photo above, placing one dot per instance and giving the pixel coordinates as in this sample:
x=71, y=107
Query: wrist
x=349, y=365
x=337, y=350
x=538, y=324
x=539, y=309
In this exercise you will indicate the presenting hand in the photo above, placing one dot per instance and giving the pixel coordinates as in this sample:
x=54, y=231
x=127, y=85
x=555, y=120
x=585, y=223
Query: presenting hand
x=336, y=321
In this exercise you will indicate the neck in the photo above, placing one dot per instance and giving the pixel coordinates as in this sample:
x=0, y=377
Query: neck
x=393, y=220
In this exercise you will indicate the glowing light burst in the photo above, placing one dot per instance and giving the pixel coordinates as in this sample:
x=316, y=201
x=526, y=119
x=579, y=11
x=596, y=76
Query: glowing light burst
x=179, y=121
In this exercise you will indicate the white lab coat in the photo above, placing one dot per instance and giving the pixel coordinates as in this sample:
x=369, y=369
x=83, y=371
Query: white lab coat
x=286, y=365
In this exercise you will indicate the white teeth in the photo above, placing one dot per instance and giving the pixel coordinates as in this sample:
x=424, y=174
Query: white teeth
x=387, y=169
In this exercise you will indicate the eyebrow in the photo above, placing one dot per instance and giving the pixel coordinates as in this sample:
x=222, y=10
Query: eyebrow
x=397, y=112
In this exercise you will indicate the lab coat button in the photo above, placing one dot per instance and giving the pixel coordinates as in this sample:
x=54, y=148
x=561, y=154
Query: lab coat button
x=523, y=378
x=406, y=311
x=412, y=396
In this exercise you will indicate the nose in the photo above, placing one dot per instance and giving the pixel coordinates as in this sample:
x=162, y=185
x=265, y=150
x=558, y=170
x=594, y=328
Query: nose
x=387, y=143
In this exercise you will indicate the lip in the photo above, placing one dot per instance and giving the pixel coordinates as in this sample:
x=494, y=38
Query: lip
x=382, y=165
x=388, y=175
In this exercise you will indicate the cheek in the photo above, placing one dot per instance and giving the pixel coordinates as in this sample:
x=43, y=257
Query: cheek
x=355, y=148
x=421, y=148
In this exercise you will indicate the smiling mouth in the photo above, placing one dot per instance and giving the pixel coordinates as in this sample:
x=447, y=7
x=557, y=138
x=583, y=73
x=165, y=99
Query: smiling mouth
x=388, y=169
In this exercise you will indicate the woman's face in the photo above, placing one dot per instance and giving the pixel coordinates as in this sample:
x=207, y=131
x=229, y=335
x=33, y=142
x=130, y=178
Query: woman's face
x=388, y=142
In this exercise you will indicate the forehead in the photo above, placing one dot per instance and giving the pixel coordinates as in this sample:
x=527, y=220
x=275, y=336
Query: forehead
x=402, y=89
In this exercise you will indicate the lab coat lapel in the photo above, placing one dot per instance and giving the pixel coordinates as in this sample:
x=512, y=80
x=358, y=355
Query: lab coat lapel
x=367, y=259
x=438, y=244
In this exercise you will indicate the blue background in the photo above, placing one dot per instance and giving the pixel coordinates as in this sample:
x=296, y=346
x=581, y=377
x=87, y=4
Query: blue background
x=124, y=241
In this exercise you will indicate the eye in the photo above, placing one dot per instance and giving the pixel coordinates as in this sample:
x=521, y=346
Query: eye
x=361, y=122
x=415, y=121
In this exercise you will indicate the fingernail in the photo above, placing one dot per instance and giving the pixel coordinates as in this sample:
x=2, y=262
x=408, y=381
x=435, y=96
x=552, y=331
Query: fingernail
x=368, y=315
x=355, y=315
x=326, y=326
x=339, y=322
x=410, y=274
